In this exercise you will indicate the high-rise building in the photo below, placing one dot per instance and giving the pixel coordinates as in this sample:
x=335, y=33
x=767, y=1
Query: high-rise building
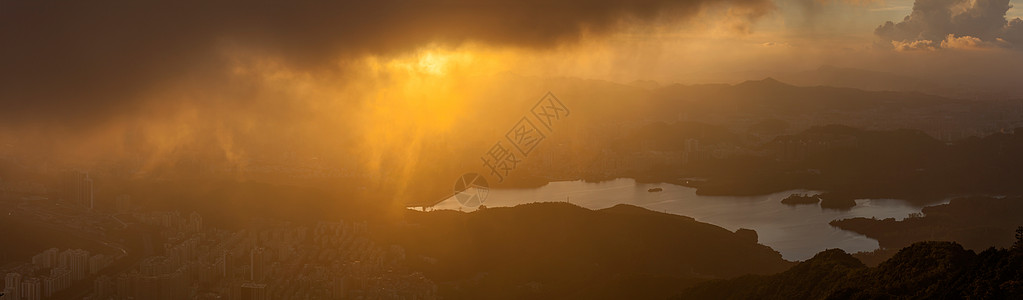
x=10, y=293
x=59, y=279
x=46, y=259
x=227, y=268
x=79, y=264
x=195, y=222
x=76, y=187
x=103, y=287
x=123, y=204
x=124, y=285
x=98, y=262
x=12, y=283
x=337, y=288
x=49, y=286
x=31, y=289
x=258, y=262
x=692, y=145
x=64, y=259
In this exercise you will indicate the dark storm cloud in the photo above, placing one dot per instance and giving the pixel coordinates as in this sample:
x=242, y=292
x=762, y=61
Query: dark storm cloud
x=933, y=21
x=77, y=60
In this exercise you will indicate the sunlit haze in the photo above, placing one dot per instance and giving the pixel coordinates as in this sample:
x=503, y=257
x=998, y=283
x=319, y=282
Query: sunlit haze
x=510, y=149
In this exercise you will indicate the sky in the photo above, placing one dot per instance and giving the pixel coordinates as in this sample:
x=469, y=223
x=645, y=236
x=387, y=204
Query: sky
x=378, y=79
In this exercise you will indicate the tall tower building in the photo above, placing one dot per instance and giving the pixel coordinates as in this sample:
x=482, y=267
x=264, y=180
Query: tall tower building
x=258, y=260
x=227, y=268
x=46, y=259
x=12, y=284
x=64, y=259
x=59, y=279
x=11, y=292
x=31, y=289
x=195, y=222
x=79, y=264
x=103, y=287
x=49, y=286
x=692, y=145
x=76, y=187
x=123, y=204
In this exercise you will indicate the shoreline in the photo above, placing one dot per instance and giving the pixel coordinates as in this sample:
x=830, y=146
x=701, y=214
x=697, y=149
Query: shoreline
x=706, y=187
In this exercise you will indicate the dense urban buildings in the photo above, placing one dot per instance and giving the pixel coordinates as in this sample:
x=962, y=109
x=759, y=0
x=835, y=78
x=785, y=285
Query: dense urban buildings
x=329, y=260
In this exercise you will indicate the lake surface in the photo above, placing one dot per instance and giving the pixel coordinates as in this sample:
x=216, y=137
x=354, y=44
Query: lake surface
x=798, y=232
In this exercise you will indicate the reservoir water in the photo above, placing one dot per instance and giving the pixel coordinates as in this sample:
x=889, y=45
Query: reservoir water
x=798, y=232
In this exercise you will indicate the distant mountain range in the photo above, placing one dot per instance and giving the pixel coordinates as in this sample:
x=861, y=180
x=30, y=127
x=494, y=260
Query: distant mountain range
x=871, y=80
x=828, y=75
x=770, y=95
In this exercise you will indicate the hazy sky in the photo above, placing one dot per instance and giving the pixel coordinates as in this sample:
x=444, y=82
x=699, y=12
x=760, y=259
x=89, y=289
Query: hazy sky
x=73, y=58
x=377, y=77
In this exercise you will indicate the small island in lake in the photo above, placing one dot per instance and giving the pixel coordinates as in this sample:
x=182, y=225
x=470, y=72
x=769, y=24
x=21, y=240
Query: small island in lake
x=796, y=199
x=654, y=190
x=837, y=200
x=827, y=200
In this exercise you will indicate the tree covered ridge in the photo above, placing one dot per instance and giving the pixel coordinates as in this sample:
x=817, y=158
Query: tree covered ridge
x=924, y=270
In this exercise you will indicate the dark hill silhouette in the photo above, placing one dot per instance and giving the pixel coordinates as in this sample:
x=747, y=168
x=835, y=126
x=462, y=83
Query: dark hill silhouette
x=814, y=278
x=571, y=251
x=828, y=75
x=770, y=96
x=925, y=270
x=625, y=209
x=906, y=164
x=853, y=162
x=662, y=136
x=975, y=222
x=766, y=83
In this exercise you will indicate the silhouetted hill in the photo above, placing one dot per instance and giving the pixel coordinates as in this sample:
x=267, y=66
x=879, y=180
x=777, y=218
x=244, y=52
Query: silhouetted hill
x=851, y=162
x=828, y=75
x=625, y=209
x=765, y=84
x=975, y=222
x=857, y=163
x=814, y=278
x=771, y=97
x=558, y=250
x=660, y=136
x=926, y=270
x=646, y=84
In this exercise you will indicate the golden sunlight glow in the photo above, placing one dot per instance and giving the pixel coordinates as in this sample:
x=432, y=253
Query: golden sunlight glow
x=404, y=100
x=433, y=64
x=415, y=98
